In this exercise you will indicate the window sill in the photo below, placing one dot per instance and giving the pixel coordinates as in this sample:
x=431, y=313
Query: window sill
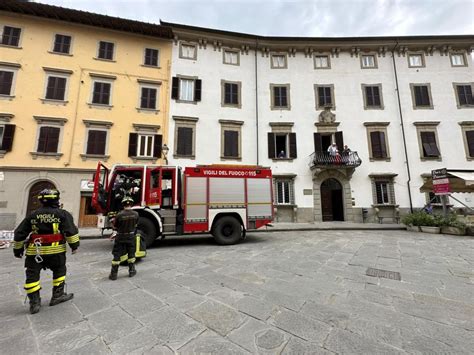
x=282, y=159
x=54, y=102
x=231, y=106
x=105, y=60
x=388, y=205
x=423, y=107
x=147, y=110
x=289, y=205
x=35, y=155
x=100, y=106
x=188, y=58
x=60, y=53
x=7, y=97
x=2, y=153
x=469, y=158
x=231, y=158
x=178, y=101
x=465, y=106
x=9, y=46
x=182, y=156
x=380, y=159
x=431, y=159
x=150, y=66
x=152, y=159
x=280, y=108
x=369, y=108
x=95, y=157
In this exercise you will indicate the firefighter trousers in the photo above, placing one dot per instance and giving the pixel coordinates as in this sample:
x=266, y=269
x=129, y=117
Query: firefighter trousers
x=55, y=262
x=124, y=249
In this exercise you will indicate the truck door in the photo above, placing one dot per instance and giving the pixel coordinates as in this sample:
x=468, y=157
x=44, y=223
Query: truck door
x=153, y=190
x=168, y=187
x=101, y=187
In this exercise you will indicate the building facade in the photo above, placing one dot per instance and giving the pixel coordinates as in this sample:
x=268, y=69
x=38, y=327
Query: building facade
x=75, y=88
x=403, y=106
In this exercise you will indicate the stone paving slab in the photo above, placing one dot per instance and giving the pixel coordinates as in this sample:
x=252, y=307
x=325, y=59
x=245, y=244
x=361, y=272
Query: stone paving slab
x=288, y=292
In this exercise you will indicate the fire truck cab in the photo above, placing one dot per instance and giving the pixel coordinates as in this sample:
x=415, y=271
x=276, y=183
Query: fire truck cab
x=221, y=199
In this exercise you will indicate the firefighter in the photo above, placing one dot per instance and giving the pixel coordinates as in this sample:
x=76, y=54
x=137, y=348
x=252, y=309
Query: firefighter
x=125, y=225
x=48, y=229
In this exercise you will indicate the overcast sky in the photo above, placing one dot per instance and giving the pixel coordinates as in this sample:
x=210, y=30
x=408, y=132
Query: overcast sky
x=306, y=18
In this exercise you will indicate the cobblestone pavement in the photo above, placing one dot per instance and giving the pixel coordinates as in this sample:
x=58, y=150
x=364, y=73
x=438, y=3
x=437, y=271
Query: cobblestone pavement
x=277, y=293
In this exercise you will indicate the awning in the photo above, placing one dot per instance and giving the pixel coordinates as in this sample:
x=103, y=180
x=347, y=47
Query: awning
x=458, y=182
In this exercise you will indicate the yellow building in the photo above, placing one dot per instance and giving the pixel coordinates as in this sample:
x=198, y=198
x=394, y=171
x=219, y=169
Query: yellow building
x=76, y=88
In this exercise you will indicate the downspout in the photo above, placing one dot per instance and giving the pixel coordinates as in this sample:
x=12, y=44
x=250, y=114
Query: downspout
x=402, y=126
x=256, y=96
x=68, y=162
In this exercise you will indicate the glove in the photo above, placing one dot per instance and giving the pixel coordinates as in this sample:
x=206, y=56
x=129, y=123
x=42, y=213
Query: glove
x=18, y=253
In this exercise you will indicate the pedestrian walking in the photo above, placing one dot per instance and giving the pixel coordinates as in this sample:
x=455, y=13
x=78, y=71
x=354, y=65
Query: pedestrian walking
x=125, y=225
x=43, y=235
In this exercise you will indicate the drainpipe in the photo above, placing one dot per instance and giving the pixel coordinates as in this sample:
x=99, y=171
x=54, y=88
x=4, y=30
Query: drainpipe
x=256, y=96
x=68, y=162
x=402, y=126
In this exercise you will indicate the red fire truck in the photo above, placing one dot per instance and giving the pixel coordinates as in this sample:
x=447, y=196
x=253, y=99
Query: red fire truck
x=224, y=200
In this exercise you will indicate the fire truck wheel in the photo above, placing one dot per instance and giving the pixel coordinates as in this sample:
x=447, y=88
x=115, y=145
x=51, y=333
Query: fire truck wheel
x=148, y=230
x=227, y=230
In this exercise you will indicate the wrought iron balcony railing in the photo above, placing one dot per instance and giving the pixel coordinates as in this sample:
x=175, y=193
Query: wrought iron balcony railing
x=324, y=159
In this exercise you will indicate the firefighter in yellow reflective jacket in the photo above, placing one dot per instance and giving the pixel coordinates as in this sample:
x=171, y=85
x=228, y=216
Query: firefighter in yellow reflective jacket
x=43, y=236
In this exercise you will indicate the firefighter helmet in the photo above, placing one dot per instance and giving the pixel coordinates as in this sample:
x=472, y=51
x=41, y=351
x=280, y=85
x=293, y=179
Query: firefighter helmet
x=49, y=197
x=127, y=201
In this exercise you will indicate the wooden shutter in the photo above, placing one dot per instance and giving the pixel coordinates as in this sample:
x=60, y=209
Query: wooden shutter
x=376, y=95
x=318, y=144
x=470, y=143
x=96, y=142
x=8, y=134
x=132, y=144
x=42, y=140
x=157, y=145
x=197, y=89
x=271, y=146
x=339, y=141
x=292, y=137
x=185, y=141
x=52, y=140
x=428, y=141
x=227, y=93
x=231, y=144
x=376, y=144
x=175, y=88
x=6, y=79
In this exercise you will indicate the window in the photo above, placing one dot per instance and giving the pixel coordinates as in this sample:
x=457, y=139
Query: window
x=231, y=57
x=186, y=89
x=463, y=94
x=416, y=60
x=324, y=96
x=282, y=145
x=284, y=191
x=187, y=51
x=11, y=36
x=377, y=140
x=368, y=61
x=6, y=82
x=151, y=57
x=96, y=142
x=56, y=88
x=467, y=129
x=280, y=97
x=470, y=143
x=7, y=132
x=106, y=50
x=278, y=61
x=458, y=59
x=421, y=96
x=231, y=139
x=372, y=96
x=101, y=93
x=184, y=140
x=321, y=62
x=49, y=136
x=432, y=198
x=48, y=140
x=145, y=144
x=383, y=192
x=428, y=141
x=230, y=93
x=62, y=44
x=148, y=97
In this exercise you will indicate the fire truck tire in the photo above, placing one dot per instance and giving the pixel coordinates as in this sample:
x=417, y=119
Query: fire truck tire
x=148, y=230
x=227, y=230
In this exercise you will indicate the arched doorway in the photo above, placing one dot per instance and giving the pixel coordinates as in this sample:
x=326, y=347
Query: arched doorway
x=35, y=189
x=332, y=200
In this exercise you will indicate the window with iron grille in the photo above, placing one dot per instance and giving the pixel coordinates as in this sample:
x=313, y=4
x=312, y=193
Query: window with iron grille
x=56, y=88
x=148, y=98
x=101, y=93
x=62, y=44
x=48, y=139
x=11, y=36
x=106, y=50
x=284, y=191
x=151, y=57
x=6, y=82
x=96, y=142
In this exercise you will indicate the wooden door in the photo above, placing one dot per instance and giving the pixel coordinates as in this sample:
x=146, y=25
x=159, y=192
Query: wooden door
x=33, y=202
x=87, y=215
x=326, y=204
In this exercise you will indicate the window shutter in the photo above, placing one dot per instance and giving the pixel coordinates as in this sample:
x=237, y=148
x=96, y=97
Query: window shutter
x=132, y=144
x=470, y=142
x=227, y=93
x=418, y=96
x=292, y=137
x=157, y=145
x=231, y=144
x=376, y=144
x=6, y=79
x=368, y=96
x=428, y=140
x=197, y=89
x=8, y=134
x=175, y=88
x=52, y=140
x=284, y=97
x=376, y=95
x=383, y=145
x=271, y=146
x=318, y=144
x=42, y=140
x=51, y=87
x=339, y=141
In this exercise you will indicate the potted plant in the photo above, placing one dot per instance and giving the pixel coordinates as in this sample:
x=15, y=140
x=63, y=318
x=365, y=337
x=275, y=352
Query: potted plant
x=451, y=225
x=411, y=221
x=430, y=223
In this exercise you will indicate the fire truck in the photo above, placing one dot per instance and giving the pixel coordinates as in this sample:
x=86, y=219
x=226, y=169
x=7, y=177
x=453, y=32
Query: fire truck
x=225, y=200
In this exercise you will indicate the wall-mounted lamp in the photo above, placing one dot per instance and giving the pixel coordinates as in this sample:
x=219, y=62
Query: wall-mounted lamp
x=164, y=151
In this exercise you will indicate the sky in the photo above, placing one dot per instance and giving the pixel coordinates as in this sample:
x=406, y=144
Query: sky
x=302, y=18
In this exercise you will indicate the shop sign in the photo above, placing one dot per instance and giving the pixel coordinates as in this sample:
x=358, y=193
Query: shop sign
x=87, y=185
x=441, y=187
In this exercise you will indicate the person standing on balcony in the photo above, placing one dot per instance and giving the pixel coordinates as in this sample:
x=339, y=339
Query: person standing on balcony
x=332, y=149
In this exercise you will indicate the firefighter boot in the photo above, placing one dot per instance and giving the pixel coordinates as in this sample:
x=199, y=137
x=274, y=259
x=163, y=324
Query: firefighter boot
x=59, y=296
x=35, y=302
x=114, y=272
x=131, y=270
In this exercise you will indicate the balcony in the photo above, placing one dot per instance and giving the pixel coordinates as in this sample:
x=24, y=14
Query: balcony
x=326, y=161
